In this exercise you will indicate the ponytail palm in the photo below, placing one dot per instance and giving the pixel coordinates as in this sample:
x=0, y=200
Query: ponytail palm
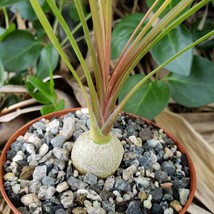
x=98, y=151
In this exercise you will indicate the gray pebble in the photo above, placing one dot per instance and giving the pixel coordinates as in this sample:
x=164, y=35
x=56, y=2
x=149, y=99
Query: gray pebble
x=67, y=199
x=39, y=172
x=169, y=167
x=90, y=178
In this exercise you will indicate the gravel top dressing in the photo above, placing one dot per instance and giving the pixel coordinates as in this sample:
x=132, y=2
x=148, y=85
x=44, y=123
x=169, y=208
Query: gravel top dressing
x=40, y=178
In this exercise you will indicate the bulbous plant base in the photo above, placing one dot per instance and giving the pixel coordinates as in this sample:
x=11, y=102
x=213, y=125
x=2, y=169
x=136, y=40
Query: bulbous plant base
x=100, y=159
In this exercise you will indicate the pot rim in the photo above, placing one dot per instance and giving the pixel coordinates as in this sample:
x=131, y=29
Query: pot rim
x=24, y=128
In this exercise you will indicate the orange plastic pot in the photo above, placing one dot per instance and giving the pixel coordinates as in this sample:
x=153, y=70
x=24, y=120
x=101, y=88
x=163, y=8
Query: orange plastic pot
x=22, y=131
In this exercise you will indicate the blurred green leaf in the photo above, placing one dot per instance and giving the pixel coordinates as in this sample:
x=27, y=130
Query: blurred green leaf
x=11, y=28
x=19, y=51
x=198, y=33
x=122, y=32
x=6, y=3
x=42, y=87
x=25, y=9
x=48, y=61
x=198, y=88
x=151, y=98
x=1, y=74
x=47, y=109
x=60, y=105
x=175, y=41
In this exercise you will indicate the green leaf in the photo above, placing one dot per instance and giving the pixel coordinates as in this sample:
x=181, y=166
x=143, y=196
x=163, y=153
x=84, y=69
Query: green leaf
x=47, y=109
x=25, y=9
x=6, y=3
x=175, y=41
x=151, y=98
x=198, y=88
x=47, y=62
x=122, y=32
x=1, y=74
x=171, y=5
x=36, y=94
x=60, y=105
x=44, y=88
x=198, y=33
x=4, y=33
x=19, y=51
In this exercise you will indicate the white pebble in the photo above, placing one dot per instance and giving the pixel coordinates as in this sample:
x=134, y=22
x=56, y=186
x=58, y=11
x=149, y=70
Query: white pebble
x=29, y=199
x=62, y=187
x=136, y=141
x=168, y=211
x=43, y=149
x=147, y=204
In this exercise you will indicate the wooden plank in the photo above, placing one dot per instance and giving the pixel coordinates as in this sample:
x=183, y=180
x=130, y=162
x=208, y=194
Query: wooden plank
x=195, y=209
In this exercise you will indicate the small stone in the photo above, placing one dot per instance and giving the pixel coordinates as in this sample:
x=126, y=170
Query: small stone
x=109, y=183
x=39, y=172
x=52, y=125
x=161, y=176
x=59, y=209
x=48, y=181
x=134, y=207
x=46, y=192
x=157, y=194
x=30, y=148
x=108, y=206
x=168, y=153
x=90, y=178
x=18, y=157
x=122, y=185
x=16, y=188
x=34, y=186
x=136, y=141
x=58, y=141
x=156, y=166
x=156, y=209
x=79, y=210
x=142, y=195
x=166, y=185
x=95, y=210
x=67, y=199
x=60, y=153
x=167, y=197
x=93, y=195
x=27, y=172
x=152, y=143
x=29, y=199
x=147, y=204
x=35, y=140
x=176, y=206
x=169, y=167
x=68, y=127
x=183, y=195
x=76, y=184
x=35, y=208
x=143, y=183
x=145, y=134
x=168, y=211
x=143, y=161
x=62, y=187
x=129, y=172
x=10, y=176
x=43, y=149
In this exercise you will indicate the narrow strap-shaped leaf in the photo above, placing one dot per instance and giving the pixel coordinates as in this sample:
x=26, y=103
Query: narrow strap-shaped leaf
x=93, y=95
x=106, y=128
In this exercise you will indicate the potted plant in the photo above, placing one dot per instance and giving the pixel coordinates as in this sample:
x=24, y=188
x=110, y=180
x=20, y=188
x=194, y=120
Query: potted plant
x=97, y=152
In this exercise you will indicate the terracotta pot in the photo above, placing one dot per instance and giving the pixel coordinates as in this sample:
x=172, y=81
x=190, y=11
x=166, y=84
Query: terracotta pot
x=22, y=131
